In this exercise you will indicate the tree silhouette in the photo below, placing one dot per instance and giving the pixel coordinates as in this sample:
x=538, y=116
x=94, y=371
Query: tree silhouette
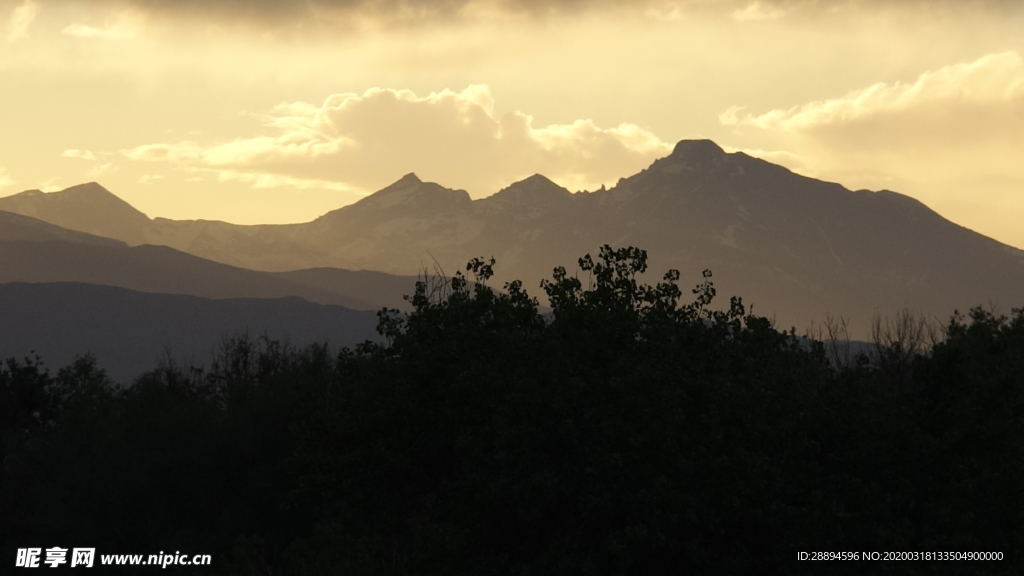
x=626, y=431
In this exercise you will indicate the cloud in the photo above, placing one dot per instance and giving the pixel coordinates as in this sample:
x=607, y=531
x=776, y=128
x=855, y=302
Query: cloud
x=5, y=180
x=100, y=170
x=82, y=154
x=781, y=157
x=121, y=23
x=759, y=11
x=365, y=141
x=110, y=33
x=967, y=116
x=333, y=13
x=21, y=19
x=259, y=181
x=182, y=152
x=51, y=184
x=97, y=170
x=953, y=137
x=995, y=80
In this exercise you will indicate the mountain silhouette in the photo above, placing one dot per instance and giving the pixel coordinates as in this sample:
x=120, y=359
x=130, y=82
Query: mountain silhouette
x=796, y=247
x=160, y=269
x=18, y=227
x=89, y=208
x=130, y=332
x=35, y=251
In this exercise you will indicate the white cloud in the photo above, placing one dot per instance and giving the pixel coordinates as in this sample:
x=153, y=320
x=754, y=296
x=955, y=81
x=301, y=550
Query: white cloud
x=948, y=123
x=731, y=115
x=82, y=154
x=258, y=180
x=995, y=79
x=758, y=11
x=669, y=12
x=364, y=141
x=953, y=138
x=121, y=26
x=150, y=178
x=781, y=157
x=101, y=170
x=21, y=19
x=5, y=180
x=110, y=33
x=182, y=152
x=51, y=185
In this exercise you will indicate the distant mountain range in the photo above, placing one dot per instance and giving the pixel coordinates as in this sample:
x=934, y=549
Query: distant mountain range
x=795, y=247
x=15, y=227
x=130, y=332
x=32, y=250
x=163, y=270
x=64, y=293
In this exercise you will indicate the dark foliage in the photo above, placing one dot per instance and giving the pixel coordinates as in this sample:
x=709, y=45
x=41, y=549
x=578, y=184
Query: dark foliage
x=624, y=433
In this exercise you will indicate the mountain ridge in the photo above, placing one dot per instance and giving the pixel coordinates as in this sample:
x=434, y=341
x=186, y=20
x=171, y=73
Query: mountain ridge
x=130, y=332
x=164, y=270
x=88, y=208
x=19, y=227
x=797, y=247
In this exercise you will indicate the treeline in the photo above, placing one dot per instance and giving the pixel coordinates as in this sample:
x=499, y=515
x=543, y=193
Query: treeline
x=629, y=431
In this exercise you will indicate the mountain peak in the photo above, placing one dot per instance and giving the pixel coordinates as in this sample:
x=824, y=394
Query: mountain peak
x=532, y=189
x=88, y=208
x=93, y=197
x=408, y=180
x=90, y=188
x=538, y=184
x=410, y=191
x=537, y=179
x=90, y=192
x=697, y=151
x=529, y=197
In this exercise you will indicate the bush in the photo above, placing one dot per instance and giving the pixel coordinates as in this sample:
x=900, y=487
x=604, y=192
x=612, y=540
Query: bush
x=623, y=432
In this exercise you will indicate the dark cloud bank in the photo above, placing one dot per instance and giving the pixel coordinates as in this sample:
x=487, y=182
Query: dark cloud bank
x=278, y=12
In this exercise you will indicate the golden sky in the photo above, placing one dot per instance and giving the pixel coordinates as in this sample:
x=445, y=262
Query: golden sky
x=269, y=111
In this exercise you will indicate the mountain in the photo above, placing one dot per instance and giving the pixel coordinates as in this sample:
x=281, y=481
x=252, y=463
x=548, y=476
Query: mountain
x=803, y=248
x=35, y=251
x=93, y=209
x=18, y=227
x=160, y=269
x=130, y=332
x=795, y=247
x=88, y=208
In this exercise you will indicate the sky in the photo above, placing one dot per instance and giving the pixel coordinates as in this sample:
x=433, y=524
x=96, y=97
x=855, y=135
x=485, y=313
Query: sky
x=276, y=111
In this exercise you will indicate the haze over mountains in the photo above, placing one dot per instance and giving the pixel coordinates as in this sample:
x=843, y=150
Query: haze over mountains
x=130, y=332
x=795, y=247
x=15, y=227
x=164, y=270
x=65, y=293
